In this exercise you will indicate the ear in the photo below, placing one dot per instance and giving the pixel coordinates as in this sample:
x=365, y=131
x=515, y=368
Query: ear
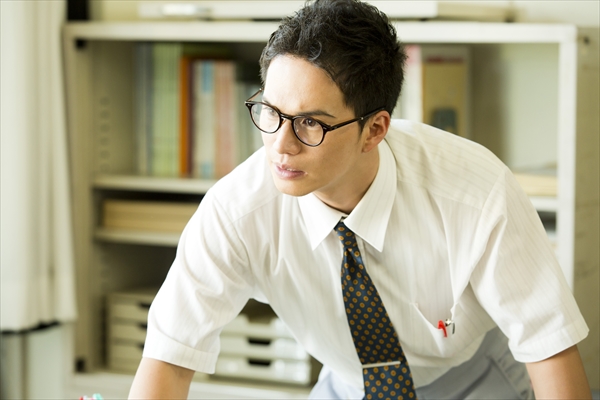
x=376, y=129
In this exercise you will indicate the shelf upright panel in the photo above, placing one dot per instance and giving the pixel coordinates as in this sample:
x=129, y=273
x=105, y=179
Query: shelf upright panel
x=567, y=128
x=77, y=64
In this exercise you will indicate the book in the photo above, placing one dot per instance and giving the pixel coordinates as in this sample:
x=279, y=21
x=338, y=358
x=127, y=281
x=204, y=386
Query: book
x=160, y=216
x=537, y=184
x=165, y=110
x=190, y=119
x=142, y=106
x=248, y=137
x=445, y=88
x=436, y=87
x=204, y=118
x=192, y=52
x=185, y=115
x=225, y=159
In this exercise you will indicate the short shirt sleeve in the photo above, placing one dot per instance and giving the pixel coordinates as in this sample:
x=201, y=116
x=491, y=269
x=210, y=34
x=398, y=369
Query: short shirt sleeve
x=518, y=280
x=208, y=284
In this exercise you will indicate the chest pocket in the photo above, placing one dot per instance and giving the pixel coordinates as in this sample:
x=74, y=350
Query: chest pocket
x=425, y=341
x=425, y=338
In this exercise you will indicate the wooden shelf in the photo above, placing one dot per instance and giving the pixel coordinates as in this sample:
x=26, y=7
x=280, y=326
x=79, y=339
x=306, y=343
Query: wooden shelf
x=545, y=204
x=153, y=184
x=248, y=31
x=223, y=31
x=137, y=237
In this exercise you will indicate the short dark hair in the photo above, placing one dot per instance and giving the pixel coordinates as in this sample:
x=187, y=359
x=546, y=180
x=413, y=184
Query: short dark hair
x=353, y=42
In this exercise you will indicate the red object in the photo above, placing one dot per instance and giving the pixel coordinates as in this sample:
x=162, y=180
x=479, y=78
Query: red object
x=442, y=326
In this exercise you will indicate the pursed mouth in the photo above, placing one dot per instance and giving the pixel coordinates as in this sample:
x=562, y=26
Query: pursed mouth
x=287, y=171
x=286, y=167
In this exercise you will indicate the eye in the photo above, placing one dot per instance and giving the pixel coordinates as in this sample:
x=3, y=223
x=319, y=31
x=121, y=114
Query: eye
x=309, y=123
x=270, y=113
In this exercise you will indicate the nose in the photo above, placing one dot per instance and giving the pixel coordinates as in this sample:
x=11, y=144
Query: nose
x=285, y=140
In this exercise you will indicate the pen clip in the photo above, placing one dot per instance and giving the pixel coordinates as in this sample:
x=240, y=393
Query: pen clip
x=450, y=324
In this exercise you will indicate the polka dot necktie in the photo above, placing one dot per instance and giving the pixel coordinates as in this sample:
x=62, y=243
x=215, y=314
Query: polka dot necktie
x=386, y=374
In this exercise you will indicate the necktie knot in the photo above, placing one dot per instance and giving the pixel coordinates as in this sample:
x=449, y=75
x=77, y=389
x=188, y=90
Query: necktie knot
x=348, y=239
x=342, y=230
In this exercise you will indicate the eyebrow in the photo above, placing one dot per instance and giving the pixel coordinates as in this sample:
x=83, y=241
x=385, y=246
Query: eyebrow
x=312, y=113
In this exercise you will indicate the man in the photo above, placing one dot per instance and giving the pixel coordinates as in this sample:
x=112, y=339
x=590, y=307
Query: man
x=444, y=263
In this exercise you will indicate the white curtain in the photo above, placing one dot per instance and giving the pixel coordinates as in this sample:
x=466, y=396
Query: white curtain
x=37, y=267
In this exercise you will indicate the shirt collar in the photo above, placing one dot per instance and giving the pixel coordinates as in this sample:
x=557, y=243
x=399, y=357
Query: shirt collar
x=370, y=217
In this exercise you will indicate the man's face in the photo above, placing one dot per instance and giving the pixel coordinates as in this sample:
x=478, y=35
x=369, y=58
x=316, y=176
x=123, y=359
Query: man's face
x=331, y=170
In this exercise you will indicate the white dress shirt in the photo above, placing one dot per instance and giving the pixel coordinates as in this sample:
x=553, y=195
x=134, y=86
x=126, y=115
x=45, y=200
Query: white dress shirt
x=444, y=230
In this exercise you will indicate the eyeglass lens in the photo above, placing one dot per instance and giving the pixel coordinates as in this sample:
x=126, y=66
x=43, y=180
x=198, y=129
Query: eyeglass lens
x=269, y=120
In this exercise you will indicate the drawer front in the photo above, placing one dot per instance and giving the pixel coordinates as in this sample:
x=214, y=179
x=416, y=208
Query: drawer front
x=283, y=371
x=134, y=311
x=135, y=331
x=283, y=348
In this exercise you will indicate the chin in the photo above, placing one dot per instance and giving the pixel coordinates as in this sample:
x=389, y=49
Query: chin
x=291, y=188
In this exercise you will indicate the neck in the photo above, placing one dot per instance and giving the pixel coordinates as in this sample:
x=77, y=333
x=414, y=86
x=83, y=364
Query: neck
x=346, y=198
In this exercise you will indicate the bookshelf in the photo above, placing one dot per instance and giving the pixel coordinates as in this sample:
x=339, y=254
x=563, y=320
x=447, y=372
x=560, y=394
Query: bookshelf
x=99, y=76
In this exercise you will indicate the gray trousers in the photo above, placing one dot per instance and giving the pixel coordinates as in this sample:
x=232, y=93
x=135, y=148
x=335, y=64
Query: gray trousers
x=492, y=373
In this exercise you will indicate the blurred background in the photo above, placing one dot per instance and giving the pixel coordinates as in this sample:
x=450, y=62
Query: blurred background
x=110, y=136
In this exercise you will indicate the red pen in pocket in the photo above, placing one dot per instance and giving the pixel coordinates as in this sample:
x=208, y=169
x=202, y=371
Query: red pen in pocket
x=446, y=326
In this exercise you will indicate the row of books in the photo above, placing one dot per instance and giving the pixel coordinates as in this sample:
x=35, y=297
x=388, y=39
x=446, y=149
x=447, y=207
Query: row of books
x=190, y=115
x=190, y=119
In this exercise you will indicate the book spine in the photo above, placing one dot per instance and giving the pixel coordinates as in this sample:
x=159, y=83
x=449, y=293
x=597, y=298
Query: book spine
x=445, y=88
x=226, y=154
x=190, y=119
x=143, y=65
x=204, y=119
x=240, y=129
x=184, y=115
x=159, y=141
x=173, y=120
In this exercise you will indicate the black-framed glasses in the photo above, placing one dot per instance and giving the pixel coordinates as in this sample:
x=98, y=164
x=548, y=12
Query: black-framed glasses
x=308, y=130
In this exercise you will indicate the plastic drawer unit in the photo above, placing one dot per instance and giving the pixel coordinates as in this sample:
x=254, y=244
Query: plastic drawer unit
x=256, y=345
